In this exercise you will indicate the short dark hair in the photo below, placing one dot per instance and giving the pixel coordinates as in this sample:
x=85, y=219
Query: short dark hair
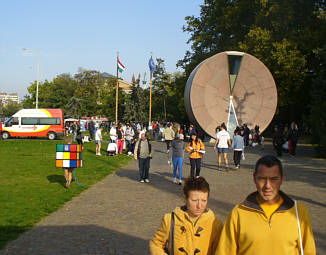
x=269, y=161
x=195, y=183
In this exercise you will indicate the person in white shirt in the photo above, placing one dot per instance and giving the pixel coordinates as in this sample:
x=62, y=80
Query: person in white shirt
x=113, y=133
x=112, y=149
x=129, y=135
x=223, y=141
x=98, y=139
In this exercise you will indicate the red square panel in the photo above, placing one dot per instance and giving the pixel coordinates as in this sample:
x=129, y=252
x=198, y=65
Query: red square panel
x=73, y=147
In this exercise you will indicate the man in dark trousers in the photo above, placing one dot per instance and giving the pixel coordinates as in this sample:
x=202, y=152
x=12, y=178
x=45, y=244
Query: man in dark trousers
x=143, y=153
x=278, y=140
x=91, y=129
x=246, y=133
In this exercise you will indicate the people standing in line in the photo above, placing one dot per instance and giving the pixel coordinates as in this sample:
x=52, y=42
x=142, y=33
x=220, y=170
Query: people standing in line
x=113, y=133
x=278, y=140
x=177, y=152
x=196, y=149
x=268, y=221
x=246, y=133
x=121, y=139
x=238, y=146
x=98, y=140
x=168, y=135
x=223, y=141
x=129, y=135
x=151, y=130
x=192, y=130
x=285, y=148
x=293, y=138
x=189, y=229
x=91, y=128
x=156, y=131
x=96, y=126
x=75, y=130
x=179, y=130
x=174, y=127
x=143, y=153
x=79, y=135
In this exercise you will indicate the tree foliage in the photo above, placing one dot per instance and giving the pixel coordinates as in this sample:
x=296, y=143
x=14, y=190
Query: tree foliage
x=283, y=34
x=87, y=93
x=9, y=109
x=135, y=103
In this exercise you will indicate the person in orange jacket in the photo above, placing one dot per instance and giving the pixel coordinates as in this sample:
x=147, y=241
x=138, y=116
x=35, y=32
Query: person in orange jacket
x=196, y=149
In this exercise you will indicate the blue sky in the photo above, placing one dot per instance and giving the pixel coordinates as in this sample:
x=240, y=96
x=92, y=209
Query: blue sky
x=71, y=34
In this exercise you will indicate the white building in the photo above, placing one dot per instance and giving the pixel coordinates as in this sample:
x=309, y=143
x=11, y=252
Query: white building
x=8, y=98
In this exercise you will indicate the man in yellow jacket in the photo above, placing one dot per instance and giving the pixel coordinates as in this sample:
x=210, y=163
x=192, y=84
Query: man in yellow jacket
x=267, y=221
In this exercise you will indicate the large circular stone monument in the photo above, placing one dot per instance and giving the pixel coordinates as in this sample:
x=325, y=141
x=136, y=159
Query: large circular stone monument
x=231, y=87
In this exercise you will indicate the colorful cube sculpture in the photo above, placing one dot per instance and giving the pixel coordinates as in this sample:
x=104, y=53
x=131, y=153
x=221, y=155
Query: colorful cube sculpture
x=69, y=155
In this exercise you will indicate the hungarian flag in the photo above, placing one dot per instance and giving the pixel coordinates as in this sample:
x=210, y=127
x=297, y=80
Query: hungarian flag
x=121, y=67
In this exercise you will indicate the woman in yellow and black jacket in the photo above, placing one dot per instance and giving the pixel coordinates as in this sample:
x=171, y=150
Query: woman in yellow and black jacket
x=189, y=229
x=196, y=149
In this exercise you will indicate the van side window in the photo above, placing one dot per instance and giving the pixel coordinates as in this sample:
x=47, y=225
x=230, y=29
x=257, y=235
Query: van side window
x=29, y=121
x=50, y=121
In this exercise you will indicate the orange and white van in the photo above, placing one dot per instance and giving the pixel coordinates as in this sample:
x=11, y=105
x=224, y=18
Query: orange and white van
x=34, y=122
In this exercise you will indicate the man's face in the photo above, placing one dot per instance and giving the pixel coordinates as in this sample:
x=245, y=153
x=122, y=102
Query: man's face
x=196, y=203
x=268, y=181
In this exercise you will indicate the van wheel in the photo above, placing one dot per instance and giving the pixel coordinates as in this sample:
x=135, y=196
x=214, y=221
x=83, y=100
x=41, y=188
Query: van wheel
x=51, y=136
x=5, y=135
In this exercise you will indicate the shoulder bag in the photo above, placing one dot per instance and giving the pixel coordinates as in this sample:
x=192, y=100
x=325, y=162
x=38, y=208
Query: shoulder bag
x=166, y=249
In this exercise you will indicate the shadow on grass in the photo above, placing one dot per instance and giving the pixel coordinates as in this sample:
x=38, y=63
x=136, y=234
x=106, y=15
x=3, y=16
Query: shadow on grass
x=8, y=233
x=57, y=179
x=73, y=239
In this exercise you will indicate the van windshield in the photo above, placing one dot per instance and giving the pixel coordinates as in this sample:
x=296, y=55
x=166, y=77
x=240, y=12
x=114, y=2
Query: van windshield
x=12, y=121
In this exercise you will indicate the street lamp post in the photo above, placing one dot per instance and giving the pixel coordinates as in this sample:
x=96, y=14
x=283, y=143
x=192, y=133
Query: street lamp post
x=37, y=73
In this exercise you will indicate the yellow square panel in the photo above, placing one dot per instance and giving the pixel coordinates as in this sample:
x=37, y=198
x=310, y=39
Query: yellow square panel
x=66, y=155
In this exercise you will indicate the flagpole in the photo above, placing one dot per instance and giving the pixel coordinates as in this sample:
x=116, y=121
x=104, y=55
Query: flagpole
x=117, y=93
x=150, y=96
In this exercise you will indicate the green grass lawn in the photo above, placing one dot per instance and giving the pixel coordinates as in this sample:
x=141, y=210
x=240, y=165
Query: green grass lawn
x=31, y=187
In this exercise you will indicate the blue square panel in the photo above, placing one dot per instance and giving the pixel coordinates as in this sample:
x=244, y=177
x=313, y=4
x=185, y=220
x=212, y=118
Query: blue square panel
x=73, y=163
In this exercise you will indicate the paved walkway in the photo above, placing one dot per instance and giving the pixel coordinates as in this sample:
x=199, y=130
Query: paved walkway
x=119, y=215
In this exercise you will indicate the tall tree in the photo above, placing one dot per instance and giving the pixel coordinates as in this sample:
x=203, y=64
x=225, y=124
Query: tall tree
x=161, y=83
x=284, y=34
x=135, y=104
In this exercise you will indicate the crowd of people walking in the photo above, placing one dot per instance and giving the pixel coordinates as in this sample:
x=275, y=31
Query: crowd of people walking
x=252, y=225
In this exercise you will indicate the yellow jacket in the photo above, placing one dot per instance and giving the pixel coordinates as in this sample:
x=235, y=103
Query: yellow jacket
x=247, y=231
x=194, y=147
x=204, y=235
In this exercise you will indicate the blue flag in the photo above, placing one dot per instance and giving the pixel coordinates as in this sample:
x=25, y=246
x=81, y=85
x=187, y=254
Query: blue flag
x=151, y=65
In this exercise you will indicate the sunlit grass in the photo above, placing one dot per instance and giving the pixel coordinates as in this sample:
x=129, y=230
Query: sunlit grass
x=31, y=187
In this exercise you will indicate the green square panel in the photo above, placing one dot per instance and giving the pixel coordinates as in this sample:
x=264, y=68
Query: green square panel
x=59, y=147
